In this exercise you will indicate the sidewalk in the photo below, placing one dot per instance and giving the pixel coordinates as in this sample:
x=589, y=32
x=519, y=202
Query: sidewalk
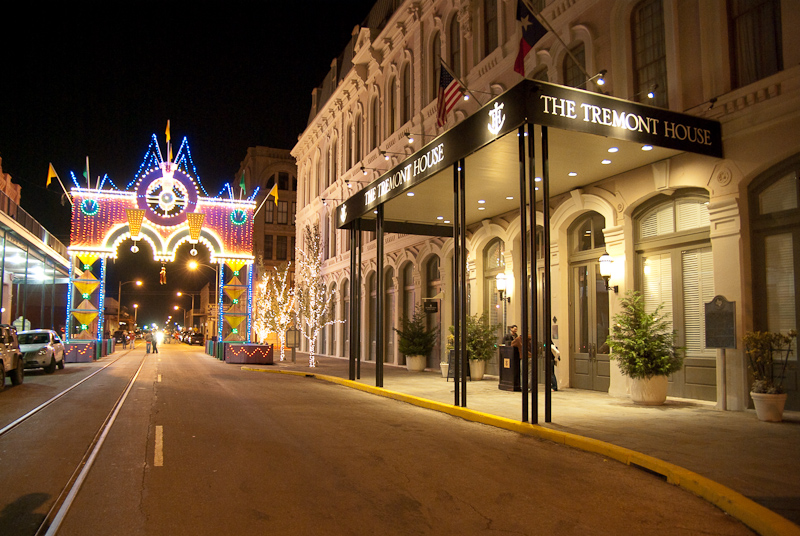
x=759, y=460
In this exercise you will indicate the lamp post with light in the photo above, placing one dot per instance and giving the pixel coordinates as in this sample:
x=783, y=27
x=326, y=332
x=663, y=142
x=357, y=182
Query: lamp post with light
x=138, y=283
x=176, y=307
x=135, y=315
x=501, y=283
x=191, y=314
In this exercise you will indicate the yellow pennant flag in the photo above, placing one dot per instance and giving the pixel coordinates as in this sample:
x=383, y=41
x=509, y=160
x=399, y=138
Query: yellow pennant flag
x=274, y=192
x=167, y=132
x=51, y=172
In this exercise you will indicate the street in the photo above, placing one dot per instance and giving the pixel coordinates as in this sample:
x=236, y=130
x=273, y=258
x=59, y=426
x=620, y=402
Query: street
x=204, y=447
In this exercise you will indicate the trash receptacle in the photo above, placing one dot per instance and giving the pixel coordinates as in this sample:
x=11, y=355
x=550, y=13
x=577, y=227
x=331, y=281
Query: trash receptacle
x=509, y=369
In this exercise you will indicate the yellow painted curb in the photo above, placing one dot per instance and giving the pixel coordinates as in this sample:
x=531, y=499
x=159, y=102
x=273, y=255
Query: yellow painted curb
x=760, y=519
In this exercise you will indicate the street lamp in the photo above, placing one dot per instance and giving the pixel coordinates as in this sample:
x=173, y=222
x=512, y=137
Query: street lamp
x=501, y=283
x=191, y=314
x=119, y=296
x=176, y=307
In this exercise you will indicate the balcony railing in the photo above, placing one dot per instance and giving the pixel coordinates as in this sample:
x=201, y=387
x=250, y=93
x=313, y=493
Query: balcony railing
x=17, y=213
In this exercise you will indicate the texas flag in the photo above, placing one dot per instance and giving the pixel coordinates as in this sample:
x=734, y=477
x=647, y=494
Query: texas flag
x=532, y=31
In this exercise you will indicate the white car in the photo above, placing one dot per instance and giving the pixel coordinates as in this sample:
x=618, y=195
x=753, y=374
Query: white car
x=41, y=348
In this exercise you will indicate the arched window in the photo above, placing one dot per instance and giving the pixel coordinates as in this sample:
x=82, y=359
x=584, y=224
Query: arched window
x=494, y=262
x=675, y=268
x=489, y=26
x=436, y=66
x=454, y=60
x=333, y=169
x=357, y=148
x=649, y=52
x=350, y=146
x=574, y=73
x=391, y=108
x=406, y=94
x=376, y=123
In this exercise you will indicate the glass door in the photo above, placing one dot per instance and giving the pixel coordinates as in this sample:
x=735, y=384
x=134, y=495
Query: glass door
x=589, y=355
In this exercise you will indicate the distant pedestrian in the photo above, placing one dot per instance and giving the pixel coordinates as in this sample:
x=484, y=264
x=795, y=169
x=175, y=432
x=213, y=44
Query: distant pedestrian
x=148, y=339
x=124, y=340
x=155, y=343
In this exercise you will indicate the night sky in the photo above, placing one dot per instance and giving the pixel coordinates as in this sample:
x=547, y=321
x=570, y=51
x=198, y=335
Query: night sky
x=99, y=83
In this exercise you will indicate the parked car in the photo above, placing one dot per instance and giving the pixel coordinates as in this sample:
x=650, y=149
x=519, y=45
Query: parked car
x=196, y=338
x=119, y=336
x=12, y=364
x=42, y=348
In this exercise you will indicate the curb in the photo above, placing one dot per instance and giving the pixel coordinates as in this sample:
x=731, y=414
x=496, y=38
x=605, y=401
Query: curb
x=760, y=519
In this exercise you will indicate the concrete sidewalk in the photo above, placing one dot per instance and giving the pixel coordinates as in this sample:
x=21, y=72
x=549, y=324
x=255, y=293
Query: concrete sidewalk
x=759, y=460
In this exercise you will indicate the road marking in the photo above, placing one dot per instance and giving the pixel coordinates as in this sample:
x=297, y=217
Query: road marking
x=159, y=455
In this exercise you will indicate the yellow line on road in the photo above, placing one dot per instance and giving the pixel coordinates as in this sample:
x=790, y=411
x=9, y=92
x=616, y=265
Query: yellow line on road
x=158, y=460
x=752, y=514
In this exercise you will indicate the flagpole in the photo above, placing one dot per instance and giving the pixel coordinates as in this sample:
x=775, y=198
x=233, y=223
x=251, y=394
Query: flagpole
x=449, y=70
x=545, y=22
x=62, y=185
x=88, y=175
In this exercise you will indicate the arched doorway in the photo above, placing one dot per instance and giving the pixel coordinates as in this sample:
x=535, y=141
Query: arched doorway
x=588, y=304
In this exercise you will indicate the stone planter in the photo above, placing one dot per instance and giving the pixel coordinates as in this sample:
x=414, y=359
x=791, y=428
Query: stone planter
x=769, y=408
x=415, y=363
x=649, y=391
x=445, y=367
x=477, y=368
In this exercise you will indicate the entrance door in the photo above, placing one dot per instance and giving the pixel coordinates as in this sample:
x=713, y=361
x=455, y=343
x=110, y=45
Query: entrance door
x=589, y=353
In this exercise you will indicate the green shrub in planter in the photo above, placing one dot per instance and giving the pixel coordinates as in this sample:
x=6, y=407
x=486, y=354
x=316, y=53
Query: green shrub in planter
x=643, y=343
x=481, y=337
x=768, y=355
x=415, y=338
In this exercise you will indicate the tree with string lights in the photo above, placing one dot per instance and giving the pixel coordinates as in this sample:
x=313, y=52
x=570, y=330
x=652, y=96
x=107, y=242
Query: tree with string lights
x=314, y=303
x=275, y=305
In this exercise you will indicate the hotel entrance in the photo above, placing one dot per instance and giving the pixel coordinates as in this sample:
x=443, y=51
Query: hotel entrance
x=484, y=183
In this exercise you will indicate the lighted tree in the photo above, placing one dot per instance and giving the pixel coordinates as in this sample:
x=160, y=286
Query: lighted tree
x=275, y=301
x=314, y=303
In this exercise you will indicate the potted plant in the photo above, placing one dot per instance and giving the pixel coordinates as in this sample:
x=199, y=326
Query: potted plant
x=643, y=345
x=768, y=355
x=444, y=365
x=481, y=344
x=416, y=341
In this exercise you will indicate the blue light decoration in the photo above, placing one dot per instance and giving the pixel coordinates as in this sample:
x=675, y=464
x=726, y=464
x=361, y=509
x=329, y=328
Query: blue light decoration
x=67, y=329
x=220, y=320
x=249, y=301
x=238, y=217
x=89, y=207
x=101, y=306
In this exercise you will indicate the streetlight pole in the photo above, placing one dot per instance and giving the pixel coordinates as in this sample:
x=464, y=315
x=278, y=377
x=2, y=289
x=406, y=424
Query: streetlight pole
x=119, y=297
x=191, y=314
x=135, y=315
x=176, y=307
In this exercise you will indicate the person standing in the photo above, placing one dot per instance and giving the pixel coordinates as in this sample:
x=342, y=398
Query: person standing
x=511, y=335
x=155, y=342
x=148, y=339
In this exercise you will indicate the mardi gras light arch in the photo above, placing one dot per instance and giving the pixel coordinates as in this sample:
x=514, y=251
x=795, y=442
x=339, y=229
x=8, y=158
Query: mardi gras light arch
x=165, y=206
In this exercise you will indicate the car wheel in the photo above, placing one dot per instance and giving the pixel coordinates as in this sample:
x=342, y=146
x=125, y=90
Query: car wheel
x=61, y=363
x=51, y=368
x=18, y=375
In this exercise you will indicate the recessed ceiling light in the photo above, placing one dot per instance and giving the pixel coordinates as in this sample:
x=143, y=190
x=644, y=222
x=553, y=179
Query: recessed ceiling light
x=439, y=217
x=447, y=221
x=481, y=201
x=481, y=208
x=647, y=147
x=374, y=211
x=410, y=194
x=572, y=174
x=538, y=179
x=510, y=197
x=613, y=149
x=606, y=161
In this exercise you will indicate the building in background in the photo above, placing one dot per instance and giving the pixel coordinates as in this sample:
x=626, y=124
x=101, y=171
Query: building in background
x=681, y=229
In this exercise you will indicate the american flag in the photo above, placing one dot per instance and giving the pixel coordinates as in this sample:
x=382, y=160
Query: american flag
x=449, y=93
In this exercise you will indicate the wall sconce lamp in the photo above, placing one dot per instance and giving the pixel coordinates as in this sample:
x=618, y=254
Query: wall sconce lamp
x=410, y=137
x=500, y=282
x=605, y=271
x=385, y=154
x=326, y=199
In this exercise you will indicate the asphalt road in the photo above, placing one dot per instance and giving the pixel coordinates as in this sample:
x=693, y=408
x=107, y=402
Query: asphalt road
x=202, y=447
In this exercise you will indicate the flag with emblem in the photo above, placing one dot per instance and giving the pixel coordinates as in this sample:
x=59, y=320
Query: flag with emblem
x=532, y=32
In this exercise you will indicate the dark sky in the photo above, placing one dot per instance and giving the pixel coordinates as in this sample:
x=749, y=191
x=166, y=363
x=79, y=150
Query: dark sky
x=98, y=82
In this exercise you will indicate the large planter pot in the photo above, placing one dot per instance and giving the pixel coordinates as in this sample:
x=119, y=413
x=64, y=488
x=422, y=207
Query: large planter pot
x=445, y=368
x=769, y=408
x=415, y=363
x=477, y=368
x=649, y=391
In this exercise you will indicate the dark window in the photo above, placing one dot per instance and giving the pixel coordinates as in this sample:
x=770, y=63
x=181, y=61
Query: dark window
x=489, y=26
x=291, y=251
x=283, y=212
x=269, y=211
x=755, y=30
x=574, y=73
x=280, y=253
x=268, y=247
x=293, y=213
x=283, y=181
x=455, y=48
x=649, y=53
